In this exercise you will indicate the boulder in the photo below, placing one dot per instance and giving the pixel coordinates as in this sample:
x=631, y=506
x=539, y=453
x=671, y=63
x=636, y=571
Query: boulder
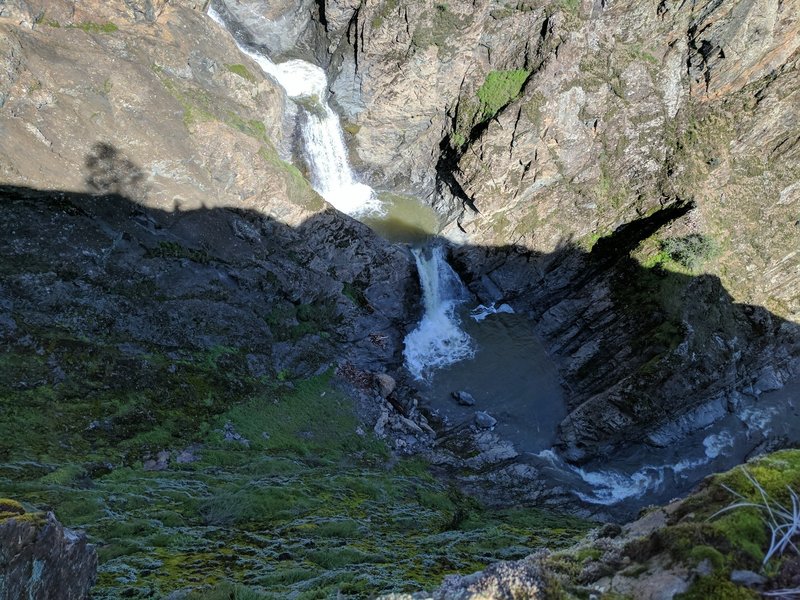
x=386, y=384
x=42, y=560
x=484, y=420
x=463, y=398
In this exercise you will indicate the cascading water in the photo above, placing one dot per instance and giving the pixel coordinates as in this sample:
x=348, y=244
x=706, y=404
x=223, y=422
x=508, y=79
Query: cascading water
x=507, y=372
x=322, y=133
x=438, y=340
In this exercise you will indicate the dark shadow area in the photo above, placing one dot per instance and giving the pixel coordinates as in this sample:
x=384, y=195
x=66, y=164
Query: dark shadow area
x=637, y=349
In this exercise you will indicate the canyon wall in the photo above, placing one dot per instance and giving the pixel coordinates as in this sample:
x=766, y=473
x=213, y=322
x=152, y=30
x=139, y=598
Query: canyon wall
x=626, y=171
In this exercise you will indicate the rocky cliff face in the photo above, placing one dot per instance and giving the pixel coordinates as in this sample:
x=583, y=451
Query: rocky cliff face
x=540, y=130
x=174, y=122
x=40, y=559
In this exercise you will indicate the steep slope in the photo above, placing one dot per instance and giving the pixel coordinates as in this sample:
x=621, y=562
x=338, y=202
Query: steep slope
x=544, y=128
x=191, y=340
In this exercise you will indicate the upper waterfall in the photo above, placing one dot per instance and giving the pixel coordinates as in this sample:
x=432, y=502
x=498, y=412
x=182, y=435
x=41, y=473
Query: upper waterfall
x=322, y=133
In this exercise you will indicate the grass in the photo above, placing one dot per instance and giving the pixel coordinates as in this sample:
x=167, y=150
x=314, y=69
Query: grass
x=306, y=508
x=499, y=89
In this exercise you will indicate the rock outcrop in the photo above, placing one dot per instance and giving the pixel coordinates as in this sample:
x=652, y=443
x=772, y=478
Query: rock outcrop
x=42, y=560
x=697, y=548
x=157, y=124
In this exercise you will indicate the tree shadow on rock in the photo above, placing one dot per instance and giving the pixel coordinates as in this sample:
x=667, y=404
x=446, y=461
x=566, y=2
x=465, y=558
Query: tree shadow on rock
x=111, y=172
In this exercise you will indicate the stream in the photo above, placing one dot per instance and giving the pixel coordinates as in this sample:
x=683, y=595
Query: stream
x=494, y=355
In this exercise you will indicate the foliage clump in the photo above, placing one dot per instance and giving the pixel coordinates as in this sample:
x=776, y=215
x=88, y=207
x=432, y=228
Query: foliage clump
x=10, y=508
x=691, y=251
x=500, y=88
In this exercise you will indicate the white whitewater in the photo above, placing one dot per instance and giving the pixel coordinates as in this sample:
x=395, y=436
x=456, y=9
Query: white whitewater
x=612, y=486
x=322, y=132
x=438, y=340
x=480, y=312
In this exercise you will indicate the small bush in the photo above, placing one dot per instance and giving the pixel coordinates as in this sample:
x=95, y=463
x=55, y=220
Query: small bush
x=692, y=251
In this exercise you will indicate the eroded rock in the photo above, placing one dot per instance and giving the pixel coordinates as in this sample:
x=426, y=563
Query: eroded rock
x=42, y=560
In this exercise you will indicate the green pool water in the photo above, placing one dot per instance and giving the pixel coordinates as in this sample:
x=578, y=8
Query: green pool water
x=405, y=219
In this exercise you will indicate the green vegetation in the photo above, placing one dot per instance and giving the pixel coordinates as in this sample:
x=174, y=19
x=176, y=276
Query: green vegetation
x=275, y=495
x=497, y=91
x=298, y=189
x=384, y=10
x=351, y=128
x=686, y=254
x=174, y=250
x=437, y=26
x=738, y=538
x=500, y=88
x=242, y=72
x=570, y=6
x=91, y=27
x=691, y=251
x=637, y=53
x=198, y=107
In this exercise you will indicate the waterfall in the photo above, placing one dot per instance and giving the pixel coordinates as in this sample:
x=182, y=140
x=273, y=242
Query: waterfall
x=438, y=340
x=323, y=139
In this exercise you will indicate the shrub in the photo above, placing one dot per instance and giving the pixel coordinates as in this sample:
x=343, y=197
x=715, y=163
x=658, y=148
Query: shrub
x=692, y=251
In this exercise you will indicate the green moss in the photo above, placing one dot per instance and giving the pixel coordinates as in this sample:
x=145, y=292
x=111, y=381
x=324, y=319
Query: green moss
x=716, y=587
x=570, y=6
x=299, y=190
x=701, y=553
x=351, y=128
x=37, y=519
x=252, y=127
x=242, y=72
x=175, y=250
x=91, y=27
x=438, y=26
x=11, y=506
x=638, y=53
x=500, y=88
x=355, y=293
